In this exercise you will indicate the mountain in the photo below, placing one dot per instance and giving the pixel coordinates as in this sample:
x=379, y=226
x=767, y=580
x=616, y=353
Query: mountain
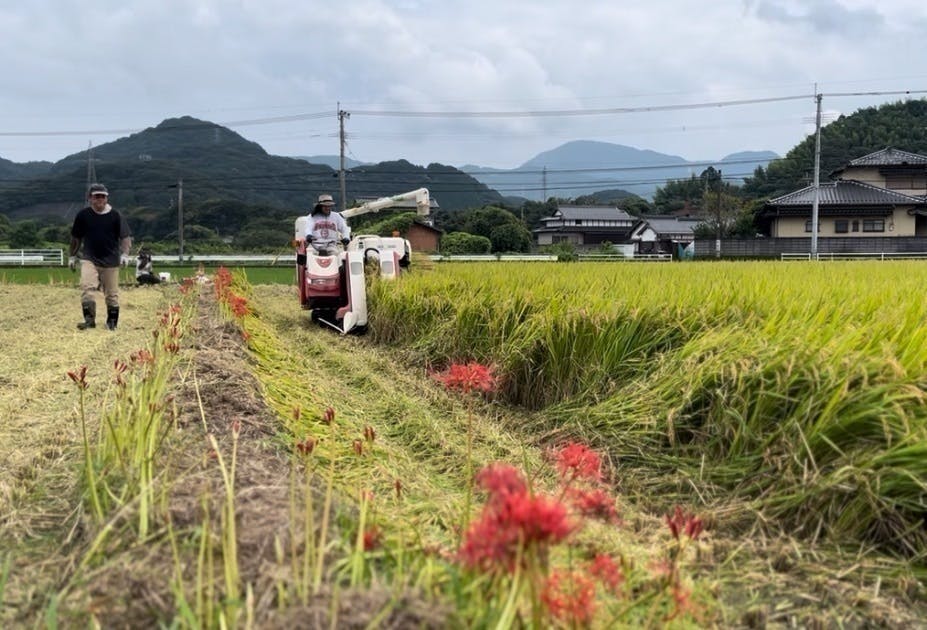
x=584, y=167
x=333, y=161
x=14, y=170
x=213, y=162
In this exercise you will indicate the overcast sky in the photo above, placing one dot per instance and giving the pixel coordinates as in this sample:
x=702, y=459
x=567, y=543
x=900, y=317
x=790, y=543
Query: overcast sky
x=106, y=68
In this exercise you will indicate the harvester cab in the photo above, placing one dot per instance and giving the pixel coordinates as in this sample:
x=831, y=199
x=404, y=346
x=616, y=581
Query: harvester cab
x=332, y=283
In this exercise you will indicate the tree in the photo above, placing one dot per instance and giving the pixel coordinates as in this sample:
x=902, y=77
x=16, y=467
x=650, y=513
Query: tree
x=25, y=235
x=463, y=243
x=510, y=237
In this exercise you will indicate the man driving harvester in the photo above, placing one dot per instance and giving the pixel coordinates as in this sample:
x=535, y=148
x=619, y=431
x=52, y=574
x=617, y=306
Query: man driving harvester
x=326, y=228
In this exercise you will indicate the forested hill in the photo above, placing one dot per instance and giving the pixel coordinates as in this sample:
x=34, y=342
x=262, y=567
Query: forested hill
x=215, y=163
x=902, y=125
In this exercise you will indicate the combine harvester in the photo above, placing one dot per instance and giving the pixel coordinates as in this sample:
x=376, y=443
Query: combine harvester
x=333, y=285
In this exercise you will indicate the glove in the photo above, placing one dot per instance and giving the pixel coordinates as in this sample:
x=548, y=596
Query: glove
x=72, y=263
x=124, y=260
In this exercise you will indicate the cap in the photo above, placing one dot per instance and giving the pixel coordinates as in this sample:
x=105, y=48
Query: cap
x=326, y=200
x=98, y=189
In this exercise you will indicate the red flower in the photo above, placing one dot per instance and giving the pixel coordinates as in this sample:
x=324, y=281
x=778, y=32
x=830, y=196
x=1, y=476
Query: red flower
x=578, y=461
x=569, y=597
x=329, y=416
x=306, y=446
x=608, y=572
x=358, y=447
x=501, y=480
x=369, y=434
x=467, y=378
x=684, y=522
x=596, y=503
x=511, y=519
x=373, y=538
x=79, y=377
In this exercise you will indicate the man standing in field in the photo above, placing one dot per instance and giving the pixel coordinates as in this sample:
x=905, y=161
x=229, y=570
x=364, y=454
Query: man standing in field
x=106, y=241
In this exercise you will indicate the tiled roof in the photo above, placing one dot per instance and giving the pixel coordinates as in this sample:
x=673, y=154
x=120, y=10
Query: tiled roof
x=846, y=192
x=594, y=213
x=890, y=157
x=671, y=225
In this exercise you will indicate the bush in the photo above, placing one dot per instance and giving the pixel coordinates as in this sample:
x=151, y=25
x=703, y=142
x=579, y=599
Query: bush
x=464, y=243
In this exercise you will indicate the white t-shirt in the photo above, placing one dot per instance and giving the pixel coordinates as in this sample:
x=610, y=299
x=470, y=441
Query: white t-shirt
x=327, y=229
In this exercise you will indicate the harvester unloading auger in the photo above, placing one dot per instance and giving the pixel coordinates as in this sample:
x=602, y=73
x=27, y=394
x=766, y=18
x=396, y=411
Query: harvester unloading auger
x=332, y=284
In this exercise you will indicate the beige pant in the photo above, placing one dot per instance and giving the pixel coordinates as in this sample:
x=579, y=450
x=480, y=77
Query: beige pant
x=92, y=277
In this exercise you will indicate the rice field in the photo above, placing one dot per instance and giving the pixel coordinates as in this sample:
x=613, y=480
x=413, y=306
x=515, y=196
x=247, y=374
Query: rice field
x=510, y=445
x=797, y=387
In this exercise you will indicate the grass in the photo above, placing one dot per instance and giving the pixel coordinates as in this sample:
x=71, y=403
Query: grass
x=798, y=387
x=283, y=274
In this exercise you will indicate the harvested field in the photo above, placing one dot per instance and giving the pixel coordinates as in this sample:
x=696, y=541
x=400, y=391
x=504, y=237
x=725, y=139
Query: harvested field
x=251, y=511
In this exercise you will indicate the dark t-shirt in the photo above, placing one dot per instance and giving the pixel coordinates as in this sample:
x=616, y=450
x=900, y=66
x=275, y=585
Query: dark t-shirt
x=101, y=234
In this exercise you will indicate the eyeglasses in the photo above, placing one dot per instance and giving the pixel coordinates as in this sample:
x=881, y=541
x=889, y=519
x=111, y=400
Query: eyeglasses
x=99, y=195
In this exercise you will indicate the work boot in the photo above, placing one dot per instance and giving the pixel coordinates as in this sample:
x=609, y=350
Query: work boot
x=90, y=316
x=112, y=317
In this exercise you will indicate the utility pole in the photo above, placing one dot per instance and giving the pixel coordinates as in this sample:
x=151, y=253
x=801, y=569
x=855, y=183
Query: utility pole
x=815, y=199
x=544, y=184
x=718, y=218
x=341, y=116
x=91, y=169
x=180, y=217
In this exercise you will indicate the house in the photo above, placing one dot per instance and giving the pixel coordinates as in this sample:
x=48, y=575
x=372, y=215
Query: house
x=881, y=194
x=422, y=236
x=585, y=227
x=663, y=234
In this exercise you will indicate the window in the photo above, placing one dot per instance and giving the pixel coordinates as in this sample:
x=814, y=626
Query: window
x=855, y=225
x=873, y=225
x=841, y=226
x=578, y=222
x=808, y=226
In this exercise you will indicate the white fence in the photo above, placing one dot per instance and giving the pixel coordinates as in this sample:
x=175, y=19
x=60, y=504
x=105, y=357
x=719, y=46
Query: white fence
x=21, y=257
x=858, y=256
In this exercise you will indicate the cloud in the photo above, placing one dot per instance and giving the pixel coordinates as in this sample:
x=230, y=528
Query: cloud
x=99, y=64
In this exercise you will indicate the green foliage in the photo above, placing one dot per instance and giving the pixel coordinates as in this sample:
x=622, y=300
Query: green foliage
x=902, y=125
x=565, y=252
x=510, y=237
x=387, y=225
x=464, y=243
x=25, y=235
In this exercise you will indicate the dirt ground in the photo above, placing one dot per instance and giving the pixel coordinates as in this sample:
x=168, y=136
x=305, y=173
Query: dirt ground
x=759, y=580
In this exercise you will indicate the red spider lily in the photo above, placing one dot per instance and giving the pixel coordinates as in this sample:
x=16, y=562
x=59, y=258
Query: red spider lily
x=236, y=428
x=369, y=434
x=373, y=538
x=297, y=413
x=398, y=486
x=141, y=357
x=467, y=378
x=121, y=368
x=238, y=304
x=578, y=461
x=684, y=522
x=358, y=447
x=306, y=446
x=570, y=597
x=79, y=377
x=501, y=480
x=509, y=521
x=608, y=572
x=595, y=503
x=329, y=416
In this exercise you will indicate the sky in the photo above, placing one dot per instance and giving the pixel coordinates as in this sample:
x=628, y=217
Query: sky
x=465, y=82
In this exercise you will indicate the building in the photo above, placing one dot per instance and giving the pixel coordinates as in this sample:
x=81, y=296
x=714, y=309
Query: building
x=663, y=234
x=585, y=227
x=881, y=194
